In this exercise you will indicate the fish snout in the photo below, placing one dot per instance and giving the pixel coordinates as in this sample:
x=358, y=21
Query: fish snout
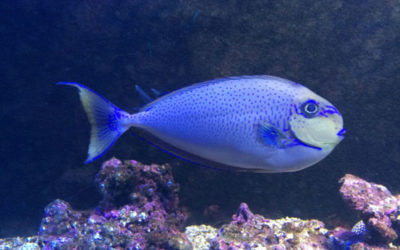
x=341, y=133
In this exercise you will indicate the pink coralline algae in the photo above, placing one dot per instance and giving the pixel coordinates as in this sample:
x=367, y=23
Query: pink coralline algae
x=253, y=231
x=139, y=211
x=376, y=206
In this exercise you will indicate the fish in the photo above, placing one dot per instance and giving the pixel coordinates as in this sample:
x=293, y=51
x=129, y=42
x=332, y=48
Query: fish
x=359, y=231
x=262, y=124
x=344, y=239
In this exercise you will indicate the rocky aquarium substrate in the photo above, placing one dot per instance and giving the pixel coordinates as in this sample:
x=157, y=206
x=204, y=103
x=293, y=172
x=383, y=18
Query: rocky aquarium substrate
x=140, y=210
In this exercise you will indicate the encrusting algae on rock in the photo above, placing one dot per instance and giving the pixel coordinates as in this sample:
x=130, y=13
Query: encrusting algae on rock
x=140, y=210
x=252, y=231
x=200, y=236
x=378, y=209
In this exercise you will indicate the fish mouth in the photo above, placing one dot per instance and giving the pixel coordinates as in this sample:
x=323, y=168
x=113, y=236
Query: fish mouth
x=341, y=133
x=320, y=144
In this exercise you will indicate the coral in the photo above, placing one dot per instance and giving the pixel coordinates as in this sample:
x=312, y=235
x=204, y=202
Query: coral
x=200, y=236
x=377, y=207
x=148, y=218
x=29, y=243
x=252, y=231
x=139, y=210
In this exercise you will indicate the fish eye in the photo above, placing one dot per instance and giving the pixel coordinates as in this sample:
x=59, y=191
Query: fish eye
x=310, y=108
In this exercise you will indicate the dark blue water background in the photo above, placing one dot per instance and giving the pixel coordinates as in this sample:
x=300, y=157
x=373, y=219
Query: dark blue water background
x=347, y=51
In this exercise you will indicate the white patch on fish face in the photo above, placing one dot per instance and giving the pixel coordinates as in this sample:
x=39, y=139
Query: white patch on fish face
x=316, y=122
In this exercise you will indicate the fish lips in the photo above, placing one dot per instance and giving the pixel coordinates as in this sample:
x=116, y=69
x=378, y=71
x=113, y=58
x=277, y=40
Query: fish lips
x=318, y=132
x=341, y=133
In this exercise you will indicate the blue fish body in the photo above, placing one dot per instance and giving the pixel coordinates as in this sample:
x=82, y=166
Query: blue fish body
x=254, y=123
x=346, y=239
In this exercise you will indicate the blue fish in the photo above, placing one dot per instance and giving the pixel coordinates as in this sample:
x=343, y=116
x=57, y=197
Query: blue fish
x=346, y=239
x=255, y=123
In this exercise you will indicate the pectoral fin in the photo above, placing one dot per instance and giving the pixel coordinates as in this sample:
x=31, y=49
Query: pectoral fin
x=272, y=136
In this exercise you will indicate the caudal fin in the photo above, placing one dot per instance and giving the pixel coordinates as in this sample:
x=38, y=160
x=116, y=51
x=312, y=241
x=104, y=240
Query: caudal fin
x=106, y=119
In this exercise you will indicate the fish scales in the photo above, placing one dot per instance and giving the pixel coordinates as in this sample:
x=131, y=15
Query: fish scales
x=220, y=117
x=258, y=123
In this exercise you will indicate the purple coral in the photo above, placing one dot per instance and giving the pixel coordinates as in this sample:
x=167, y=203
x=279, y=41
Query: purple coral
x=250, y=231
x=59, y=218
x=139, y=211
x=377, y=207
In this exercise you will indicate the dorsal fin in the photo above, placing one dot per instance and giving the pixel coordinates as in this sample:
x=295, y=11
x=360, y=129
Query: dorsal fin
x=145, y=97
x=158, y=93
